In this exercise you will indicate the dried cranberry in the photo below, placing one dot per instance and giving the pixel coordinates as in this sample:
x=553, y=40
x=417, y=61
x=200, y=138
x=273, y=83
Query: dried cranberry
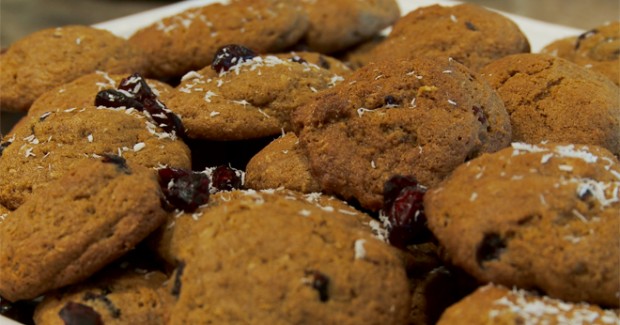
x=102, y=297
x=583, y=36
x=470, y=26
x=176, y=286
x=116, y=99
x=184, y=189
x=225, y=178
x=403, y=204
x=229, y=55
x=390, y=101
x=77, y=314
x=119, y=161
x=319, y=282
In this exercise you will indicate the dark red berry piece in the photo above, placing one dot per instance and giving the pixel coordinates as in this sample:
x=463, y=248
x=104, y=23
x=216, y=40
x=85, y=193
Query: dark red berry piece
x=77, y=314
x=490, y=248
x=176, y=286
x=319, y=282
x=116, y=99
x=583, y=36
x=471, y=26
x=390, y=101
x=298, y=59
x=184, y=189
x=225, y=178
x=102, y=297
x=229, y=55
x=403, y=205
x=119, y=161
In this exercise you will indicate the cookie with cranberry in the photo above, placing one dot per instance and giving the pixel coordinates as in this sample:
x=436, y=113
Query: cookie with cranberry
x=82, y=91
x=597, y=49
x=541, y=217
x=130, y=297
x=281, y=164
x=244, y=96
x=52, y=57
x=188, y=40
x=276, y=256
x=552, y=99
x=468, y=33
x=338, y=25
x=421, y=117
x=492, y=304
x=47, y=146
x=79, y=223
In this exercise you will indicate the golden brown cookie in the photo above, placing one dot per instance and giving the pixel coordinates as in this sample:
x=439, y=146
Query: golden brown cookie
x=253, y=99
x=552, y=99
x=269, y=258
x=281, y=164
x=46, y=147
x=72, y=228
x=339, y=24
x=82, y=91
x=55, y=56
x=421, y=117
x=597, y=49
x=493, y=304
x=188, y=41
x=541, y=217
x=130, y=297
x=468, y=33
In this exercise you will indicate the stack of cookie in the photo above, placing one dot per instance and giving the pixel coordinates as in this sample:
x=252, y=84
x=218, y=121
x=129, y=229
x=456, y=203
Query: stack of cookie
x=287, y=162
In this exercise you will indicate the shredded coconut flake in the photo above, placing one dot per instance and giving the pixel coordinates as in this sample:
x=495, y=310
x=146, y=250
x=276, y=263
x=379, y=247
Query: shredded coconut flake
x=360, y=251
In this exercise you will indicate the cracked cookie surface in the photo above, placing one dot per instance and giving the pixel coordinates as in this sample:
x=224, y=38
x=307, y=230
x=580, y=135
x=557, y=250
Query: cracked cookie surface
x=421, y=117
x=541, y=217
x=552, y=99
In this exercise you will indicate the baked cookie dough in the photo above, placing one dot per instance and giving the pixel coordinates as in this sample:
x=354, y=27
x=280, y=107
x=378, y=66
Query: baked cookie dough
x=45, y=147
x=273, y=257
x=281, y=164
x=55, y=56
x=552, y=99
x=75, y=226
x=541, y=217
x=82, y=91
x=468, y=33
x=253, y=99
x=493, y=304
x=129, y=297
x=597, y=49
x=336, y=25
x=188, y=41
x=421, y=117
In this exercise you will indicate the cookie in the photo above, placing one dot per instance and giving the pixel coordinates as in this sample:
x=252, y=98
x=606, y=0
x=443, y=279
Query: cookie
x=338, y=25
x=72, y=228
x=82, y=91
x=541, y=217
x=597, y=49
x=468, y=33
x=281, y=164
x=130, y=297
x=55, y=56
x=552, y=99
x=273, y=257
x=188, y=40
x=46, y=147
x=492, y=304
x=421, y=117
x=253, y=99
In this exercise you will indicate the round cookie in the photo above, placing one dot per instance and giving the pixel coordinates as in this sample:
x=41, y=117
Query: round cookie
x=597, y=49
x=421, y=117
x=188, y=41
x=552, y=99
x=82, y=91
x=541, y=217
x=131, y=297
x=253, y=99
x=339, y=24
x=281, y=164
x=272, y=258
x=493, y=304
x=45, y=147
x=72, y=228
x=468, y=33
x=55, y=56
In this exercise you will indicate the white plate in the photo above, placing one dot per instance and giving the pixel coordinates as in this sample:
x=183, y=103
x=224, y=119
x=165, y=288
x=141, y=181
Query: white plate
x=539, y=33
